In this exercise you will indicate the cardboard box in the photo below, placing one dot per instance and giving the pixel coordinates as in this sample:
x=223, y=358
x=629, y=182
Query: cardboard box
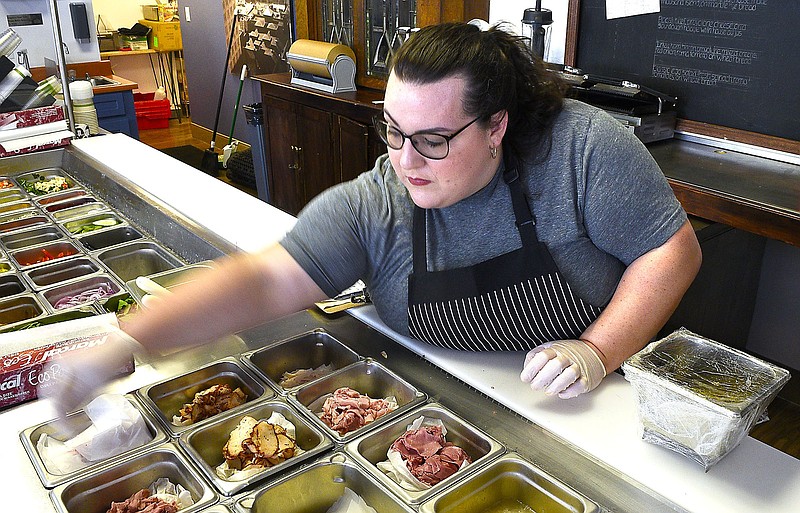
x=164, y=36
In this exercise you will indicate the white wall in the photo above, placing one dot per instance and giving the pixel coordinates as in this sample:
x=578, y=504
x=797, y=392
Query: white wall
x=38, y=40
x=117, y=14
x=511, y=11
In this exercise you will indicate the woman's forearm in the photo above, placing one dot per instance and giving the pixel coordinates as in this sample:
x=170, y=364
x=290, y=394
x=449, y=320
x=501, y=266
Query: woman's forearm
x=647, y=295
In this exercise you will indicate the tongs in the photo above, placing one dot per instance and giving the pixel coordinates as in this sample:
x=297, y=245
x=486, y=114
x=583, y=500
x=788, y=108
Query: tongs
x=344, y=301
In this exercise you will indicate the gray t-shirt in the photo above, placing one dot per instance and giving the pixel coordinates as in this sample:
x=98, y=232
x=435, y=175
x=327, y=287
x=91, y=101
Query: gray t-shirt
x=599, y=200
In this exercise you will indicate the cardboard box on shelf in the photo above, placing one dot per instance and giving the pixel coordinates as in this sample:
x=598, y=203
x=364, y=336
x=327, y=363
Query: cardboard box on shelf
x=164, y=36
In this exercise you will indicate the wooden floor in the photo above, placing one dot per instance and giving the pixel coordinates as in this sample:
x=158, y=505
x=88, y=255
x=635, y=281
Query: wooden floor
x=179, y=133
x=782, y=431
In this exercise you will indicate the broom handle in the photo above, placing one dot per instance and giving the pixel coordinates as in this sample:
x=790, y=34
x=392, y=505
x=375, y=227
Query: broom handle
x=224, y=76
x=238, y=99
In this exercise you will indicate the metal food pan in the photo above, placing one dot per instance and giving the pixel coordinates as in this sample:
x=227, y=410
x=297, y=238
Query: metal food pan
x=95, y=492
x=166, y=398
x=66, y=315
x=92, y=223
x=307, y=351
x=11, y=285
x=6, y=220
x=21, y=308
x=70, y=203
x=61, y=196
x=138, y=258
x=8, y=208
x=71, y=425
x=116, y=305
x=204, y=443
x=5, y=266
x=509, y=483
x=74, y=289
x=328, y=477
x=41, y=175
x=111, y=237
x=67, y=214
x=37, y=255
x=371, y=449
x=366, y=377
x=171, y=278
x=11, y=195
x=32, y=237
x=58, y=272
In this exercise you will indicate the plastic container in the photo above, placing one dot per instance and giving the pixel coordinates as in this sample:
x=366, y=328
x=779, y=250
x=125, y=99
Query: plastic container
x=698, y=397
x=83, y=105
x=151, y=113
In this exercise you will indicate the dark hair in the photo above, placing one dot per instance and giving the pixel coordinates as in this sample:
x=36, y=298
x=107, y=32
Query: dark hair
x=500, y=74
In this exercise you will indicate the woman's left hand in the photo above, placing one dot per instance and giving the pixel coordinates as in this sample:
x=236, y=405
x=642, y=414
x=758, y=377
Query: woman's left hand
x=564, y=367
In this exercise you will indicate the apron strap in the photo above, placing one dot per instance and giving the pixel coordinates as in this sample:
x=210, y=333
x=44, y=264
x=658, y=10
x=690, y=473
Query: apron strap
x=419, y=251
x=526, y=223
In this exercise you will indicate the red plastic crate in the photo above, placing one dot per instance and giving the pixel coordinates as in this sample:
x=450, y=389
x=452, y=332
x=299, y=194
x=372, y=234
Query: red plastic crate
x=151, y=113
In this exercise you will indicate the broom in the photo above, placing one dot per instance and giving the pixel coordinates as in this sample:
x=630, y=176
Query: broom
x=210, y=162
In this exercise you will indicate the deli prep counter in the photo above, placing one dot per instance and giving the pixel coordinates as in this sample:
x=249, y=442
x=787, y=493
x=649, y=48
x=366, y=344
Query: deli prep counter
x=585, y=454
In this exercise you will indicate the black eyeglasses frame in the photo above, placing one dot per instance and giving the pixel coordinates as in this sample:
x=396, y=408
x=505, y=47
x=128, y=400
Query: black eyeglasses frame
x=378, y=120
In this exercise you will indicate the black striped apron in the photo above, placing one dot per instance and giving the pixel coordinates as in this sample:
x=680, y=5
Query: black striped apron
x=512, y=302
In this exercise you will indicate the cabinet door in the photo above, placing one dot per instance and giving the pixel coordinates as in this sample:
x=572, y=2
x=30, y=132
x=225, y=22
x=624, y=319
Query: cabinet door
x=281, y=140
x=359, y=147
x=315, y=152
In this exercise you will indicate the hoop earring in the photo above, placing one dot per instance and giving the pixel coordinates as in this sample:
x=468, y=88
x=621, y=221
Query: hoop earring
x=493, y=151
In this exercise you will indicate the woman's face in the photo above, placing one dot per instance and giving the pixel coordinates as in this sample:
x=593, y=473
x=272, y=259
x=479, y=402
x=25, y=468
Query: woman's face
x=437, y=108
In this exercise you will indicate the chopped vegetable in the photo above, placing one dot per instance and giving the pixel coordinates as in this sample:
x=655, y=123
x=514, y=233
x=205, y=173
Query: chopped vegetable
x=42, y=185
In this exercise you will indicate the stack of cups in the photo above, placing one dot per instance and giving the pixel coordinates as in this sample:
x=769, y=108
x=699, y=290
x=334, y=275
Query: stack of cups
x=83, y=108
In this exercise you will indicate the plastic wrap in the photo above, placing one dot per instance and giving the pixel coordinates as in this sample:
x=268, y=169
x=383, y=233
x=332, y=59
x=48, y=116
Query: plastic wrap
x=699, y=397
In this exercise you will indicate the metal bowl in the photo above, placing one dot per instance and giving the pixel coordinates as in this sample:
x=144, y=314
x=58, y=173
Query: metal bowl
x=327, y=477
x=306, y=351
x=138, y=258
x=73, y=424
x=509, y=484
x=94, y=493
x=368, y=378
x=371, y=449
x=166, y=398
x=204, y=443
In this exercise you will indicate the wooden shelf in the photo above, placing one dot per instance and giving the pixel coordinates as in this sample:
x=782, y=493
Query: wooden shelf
x=122, y=53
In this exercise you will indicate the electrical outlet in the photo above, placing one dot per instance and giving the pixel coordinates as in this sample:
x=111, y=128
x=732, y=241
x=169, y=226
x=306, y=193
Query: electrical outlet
x=186, y=14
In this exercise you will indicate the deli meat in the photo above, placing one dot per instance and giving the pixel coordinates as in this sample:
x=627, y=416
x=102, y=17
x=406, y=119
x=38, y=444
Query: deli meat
x=347, y=410
x=142, y=502
x=428, y=456
x=209, y=402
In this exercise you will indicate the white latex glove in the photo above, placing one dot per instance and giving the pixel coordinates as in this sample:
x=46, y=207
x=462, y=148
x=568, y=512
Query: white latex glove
x=75, y=377
x=564, y=367
x=154, y=291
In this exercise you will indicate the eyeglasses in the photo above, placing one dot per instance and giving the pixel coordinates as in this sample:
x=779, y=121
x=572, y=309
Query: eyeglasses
x=427, y=144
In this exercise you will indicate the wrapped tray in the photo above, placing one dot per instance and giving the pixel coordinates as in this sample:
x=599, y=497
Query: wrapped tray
x=699, y=397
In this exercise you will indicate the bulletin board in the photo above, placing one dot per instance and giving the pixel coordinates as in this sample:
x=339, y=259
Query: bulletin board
x=263, y=35
x=734, y=65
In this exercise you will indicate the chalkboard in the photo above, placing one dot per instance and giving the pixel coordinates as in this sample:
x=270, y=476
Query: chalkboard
x=733, y=63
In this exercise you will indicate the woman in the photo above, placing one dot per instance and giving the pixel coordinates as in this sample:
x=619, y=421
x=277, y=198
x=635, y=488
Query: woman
x=503, y=217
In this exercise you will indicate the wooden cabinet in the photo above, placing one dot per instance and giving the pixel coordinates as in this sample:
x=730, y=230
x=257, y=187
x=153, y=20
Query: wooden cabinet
x=116, y=113
x=315, y=140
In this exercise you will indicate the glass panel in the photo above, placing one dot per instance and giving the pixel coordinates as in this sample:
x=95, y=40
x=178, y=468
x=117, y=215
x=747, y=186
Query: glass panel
x=389, y=23
x=337, y=21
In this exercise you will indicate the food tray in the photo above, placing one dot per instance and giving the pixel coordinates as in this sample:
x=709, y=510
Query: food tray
x=11, y=195
x=371, y=449
x=74, y=212
x=305, y=351
x=167, y=397
x=138, y=258
x=75, y=423
x=509, y=483
x=38, y=255
x=59, y=272
x=368, y=378
x=23, y=222
x=31, y=237
x=108, y=238
x=699, y=397
x=11, y=285
x=92, y=223
x=74, y=288
x=61, y=196
x=69, y=204
x=42, y=175
x=20, y=309
x=327, y=477
x=204, y=443
x=171, y=278
x=64, y=315
x=8, y=208
x=94, y=493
